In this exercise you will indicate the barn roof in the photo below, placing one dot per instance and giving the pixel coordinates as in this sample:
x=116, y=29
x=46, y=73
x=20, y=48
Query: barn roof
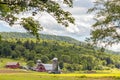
x=12, y=63
x=48, y=67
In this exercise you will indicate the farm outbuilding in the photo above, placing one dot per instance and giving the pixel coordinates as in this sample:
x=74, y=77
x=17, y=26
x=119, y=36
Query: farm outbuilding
x=44, y=67
x=13, y=65
x=40, y=67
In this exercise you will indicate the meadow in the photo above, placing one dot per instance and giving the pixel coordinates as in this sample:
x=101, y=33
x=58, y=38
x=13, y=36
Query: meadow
x=9, y=74
x=21, y=74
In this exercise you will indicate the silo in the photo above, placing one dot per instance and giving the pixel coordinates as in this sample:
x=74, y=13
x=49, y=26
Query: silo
x=38, y=62
x=55, y=66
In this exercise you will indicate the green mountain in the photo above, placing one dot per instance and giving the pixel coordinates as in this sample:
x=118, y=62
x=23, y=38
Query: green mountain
x=18, y=35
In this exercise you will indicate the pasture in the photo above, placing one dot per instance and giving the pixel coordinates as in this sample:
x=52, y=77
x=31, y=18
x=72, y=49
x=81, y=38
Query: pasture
x=20, y=74
x=8, y=74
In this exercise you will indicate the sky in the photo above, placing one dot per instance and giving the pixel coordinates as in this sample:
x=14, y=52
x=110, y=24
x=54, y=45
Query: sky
x=79, y=31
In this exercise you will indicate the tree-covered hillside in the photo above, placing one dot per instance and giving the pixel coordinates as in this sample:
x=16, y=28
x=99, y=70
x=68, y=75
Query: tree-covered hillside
x=71, y=57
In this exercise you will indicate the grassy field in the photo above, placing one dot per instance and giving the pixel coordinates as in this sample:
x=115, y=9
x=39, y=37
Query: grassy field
x=36, y=77
x=28, y=75
x=18, y=74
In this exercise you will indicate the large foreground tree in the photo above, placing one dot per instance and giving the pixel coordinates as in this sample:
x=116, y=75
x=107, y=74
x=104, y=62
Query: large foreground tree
x=9, y=8
x=107, y=26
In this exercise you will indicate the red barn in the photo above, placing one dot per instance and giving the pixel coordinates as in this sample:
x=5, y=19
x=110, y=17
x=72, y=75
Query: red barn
x=13, y=65
x=44, y=67
x=40, y=68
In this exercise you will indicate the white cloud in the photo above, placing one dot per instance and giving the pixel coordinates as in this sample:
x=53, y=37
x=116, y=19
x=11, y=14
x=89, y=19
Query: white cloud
x=79, y=31
x=115, y=47
x=81, y=28
x=72, y=28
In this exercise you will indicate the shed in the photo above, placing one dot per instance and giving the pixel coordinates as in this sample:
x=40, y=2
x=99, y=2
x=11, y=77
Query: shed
x=13, y=65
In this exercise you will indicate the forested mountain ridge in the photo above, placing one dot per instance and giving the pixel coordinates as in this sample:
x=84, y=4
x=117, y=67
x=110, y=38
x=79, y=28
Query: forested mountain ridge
x=18, y=35
x=72, y=57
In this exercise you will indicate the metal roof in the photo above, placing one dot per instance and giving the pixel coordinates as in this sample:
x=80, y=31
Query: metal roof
x=12, y=63
x=48, y=67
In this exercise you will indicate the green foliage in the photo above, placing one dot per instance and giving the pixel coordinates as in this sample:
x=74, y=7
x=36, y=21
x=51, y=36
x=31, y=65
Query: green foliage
x=0, y=37
x=66, y=58
x=14, y=55
x=88, y=62
x=30, y=55
x=72, y=57
x=107, y=25
x=31, y=25
x=30, y=63
x=61, y=65
x=44, y=59
x=9, y=8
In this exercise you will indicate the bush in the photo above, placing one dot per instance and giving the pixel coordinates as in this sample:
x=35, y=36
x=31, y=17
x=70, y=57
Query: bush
x=30, y=64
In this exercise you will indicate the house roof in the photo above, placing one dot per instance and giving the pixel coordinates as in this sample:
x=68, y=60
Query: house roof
x=12, y=63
